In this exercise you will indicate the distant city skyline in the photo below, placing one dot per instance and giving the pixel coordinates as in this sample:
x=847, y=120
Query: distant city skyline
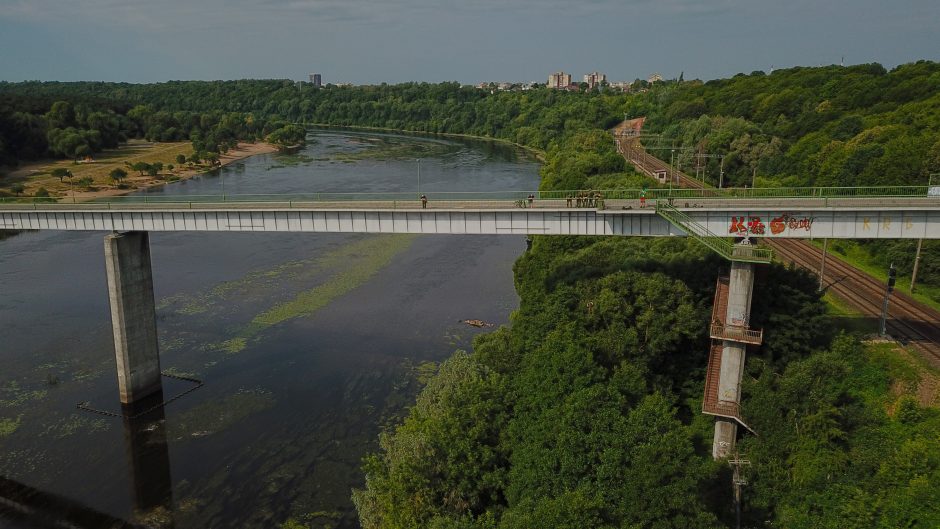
x=370, y=41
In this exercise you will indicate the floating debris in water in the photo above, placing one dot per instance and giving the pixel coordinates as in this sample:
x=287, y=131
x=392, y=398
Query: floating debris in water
x=476, y=323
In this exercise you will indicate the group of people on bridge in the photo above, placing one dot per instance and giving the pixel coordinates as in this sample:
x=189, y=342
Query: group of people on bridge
x=585, y=199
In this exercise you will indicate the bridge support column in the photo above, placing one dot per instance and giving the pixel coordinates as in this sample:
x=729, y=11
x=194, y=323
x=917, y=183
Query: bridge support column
x=133, y=316
x=740, y=289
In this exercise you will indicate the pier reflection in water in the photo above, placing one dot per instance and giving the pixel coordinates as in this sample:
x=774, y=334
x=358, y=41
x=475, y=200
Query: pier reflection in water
x=148, y=463
x=148, y=460
x=288, y=409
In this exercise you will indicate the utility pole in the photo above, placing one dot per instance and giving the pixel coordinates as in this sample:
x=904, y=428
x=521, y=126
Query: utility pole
x=739, y=481
x=419, y=175
x=892, y=277
x=721, y=171
x=920, y=243
x=672, y=168
x=822, y=267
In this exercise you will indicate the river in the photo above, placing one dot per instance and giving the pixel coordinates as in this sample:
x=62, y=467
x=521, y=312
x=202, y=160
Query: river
x=308, y=344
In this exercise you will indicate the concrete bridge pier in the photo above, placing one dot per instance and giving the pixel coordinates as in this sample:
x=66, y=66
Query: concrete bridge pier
x=133, y=316
x=740, y=289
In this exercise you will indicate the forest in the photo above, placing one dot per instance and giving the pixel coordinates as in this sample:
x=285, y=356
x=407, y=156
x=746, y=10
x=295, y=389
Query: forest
x=830, y=126
x=584, y=412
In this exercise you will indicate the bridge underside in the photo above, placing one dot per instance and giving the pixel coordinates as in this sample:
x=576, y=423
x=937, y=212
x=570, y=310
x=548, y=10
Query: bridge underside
x=835, y=223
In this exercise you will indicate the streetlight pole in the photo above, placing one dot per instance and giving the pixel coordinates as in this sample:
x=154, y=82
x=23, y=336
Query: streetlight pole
x=419, y=175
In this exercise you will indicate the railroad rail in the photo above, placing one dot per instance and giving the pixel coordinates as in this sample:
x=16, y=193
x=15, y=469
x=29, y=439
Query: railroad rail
x=909, y=320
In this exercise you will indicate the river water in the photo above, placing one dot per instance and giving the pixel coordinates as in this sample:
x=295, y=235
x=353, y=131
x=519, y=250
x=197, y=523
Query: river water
x=308, y=345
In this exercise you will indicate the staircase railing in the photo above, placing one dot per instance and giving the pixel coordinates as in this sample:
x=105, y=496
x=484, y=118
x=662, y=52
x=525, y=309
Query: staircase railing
x=721, y=245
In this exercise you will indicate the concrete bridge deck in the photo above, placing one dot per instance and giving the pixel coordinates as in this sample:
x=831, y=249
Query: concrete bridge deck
x=773, y=217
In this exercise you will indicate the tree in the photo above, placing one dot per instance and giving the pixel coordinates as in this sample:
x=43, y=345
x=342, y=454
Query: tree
x=140, y=167
x=180, y=159
x=61, y=173
x=117, y=174
x=17, y=188
x=61, y=115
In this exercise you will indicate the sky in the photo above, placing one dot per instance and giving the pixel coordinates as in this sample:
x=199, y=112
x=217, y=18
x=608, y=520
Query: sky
x=469, y=41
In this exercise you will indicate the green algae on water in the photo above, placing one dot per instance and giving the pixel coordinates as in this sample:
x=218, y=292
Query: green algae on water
x=216, y=415
x=73, y=424
x=360, y=261
x=8, y=426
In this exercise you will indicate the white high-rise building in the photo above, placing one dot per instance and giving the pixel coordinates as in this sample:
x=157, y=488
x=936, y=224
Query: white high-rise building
x=559, y=80
x=594, y=78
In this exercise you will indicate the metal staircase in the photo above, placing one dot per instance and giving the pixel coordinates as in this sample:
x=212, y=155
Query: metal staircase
x=721, y=245
x=712, y=404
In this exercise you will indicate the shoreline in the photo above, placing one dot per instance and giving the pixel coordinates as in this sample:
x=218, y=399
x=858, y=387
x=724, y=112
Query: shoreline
x=538, y=153
x=35, y=175
x=240, y=152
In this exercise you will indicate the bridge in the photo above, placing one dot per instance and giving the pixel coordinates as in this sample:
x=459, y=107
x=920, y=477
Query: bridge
x=852, y=213
x=718, y=218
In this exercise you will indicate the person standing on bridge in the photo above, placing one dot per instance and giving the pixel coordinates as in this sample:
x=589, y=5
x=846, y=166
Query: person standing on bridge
x=424, y=202
x=531, y=199
x=643, y=197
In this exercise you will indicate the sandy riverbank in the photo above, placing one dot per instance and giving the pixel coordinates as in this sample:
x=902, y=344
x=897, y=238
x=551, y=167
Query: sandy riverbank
x=240, y=152
x=36, y=175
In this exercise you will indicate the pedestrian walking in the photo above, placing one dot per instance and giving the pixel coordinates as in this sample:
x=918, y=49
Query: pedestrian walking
x=424, y=202
x=643, y=197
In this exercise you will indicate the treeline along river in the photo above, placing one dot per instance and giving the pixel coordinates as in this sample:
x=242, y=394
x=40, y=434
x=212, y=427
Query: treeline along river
x=308, y=344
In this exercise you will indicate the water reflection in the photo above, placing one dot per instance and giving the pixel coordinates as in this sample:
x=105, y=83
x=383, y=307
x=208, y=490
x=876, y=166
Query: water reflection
x=148, y=460
x=26, y=507
x=148, y=464
x=290, y=409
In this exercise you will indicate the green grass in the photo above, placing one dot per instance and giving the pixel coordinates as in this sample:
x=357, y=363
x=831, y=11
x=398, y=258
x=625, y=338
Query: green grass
x=844, y=317
x=39, y=174
x=836, y=306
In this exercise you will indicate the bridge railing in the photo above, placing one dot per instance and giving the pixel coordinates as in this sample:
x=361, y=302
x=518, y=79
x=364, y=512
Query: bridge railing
x=511, y=195
x=721, y=245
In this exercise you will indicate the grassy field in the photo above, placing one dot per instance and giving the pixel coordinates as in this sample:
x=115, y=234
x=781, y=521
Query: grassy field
x=36, y=175
x=844, y=317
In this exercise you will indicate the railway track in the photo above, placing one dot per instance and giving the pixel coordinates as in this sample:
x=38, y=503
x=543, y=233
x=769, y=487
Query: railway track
x=909, y=321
